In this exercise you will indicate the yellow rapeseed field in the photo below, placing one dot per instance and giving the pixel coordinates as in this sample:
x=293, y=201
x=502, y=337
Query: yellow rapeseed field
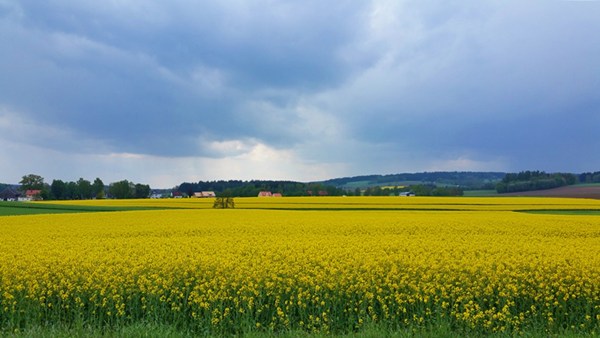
x=361, y=203
x=234, y=271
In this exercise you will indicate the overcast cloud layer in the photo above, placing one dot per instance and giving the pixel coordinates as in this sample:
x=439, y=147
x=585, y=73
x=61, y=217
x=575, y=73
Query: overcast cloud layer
x=162, y=92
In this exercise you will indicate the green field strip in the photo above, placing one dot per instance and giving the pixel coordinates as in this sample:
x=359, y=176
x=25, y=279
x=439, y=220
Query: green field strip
x=24, y=208
x=581, y=212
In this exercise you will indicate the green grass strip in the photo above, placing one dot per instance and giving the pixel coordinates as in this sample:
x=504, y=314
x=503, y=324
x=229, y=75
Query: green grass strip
x=25, y=208
x=583, y=212
x=443, y=330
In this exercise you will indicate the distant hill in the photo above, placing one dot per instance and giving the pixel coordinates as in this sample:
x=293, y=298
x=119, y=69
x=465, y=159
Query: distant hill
x=463, y=179
x=253, y=187
x=569, y=191
x=349, y=185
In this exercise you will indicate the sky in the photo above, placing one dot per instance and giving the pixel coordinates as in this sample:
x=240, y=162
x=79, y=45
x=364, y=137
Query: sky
x=165, y=92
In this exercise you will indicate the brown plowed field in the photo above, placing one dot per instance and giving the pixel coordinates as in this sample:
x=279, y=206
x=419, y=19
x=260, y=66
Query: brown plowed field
x=566, y=191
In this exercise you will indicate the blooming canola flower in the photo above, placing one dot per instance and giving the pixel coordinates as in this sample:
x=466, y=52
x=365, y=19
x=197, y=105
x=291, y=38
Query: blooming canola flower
x=315, y=270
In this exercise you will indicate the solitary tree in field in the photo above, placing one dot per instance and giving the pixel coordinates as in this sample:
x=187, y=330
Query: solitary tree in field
x=224, y=203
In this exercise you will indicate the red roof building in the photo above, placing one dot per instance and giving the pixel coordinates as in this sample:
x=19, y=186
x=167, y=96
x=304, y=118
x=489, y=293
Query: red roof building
x=204, y=194
x=32, y=193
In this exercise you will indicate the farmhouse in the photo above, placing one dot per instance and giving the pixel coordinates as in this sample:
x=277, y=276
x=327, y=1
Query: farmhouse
x=32, y=195
x=156, y=194
x=265, y=194
x=9, y=194
x=205, y=194
x=276, y=194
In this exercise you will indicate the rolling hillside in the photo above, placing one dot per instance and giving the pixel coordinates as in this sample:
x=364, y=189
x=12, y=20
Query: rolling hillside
x=468, y=180
x=574, y=191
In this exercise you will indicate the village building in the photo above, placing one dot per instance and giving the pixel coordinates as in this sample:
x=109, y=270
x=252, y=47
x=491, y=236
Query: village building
x=205, y=194
x=32, y=195
x=265, y=194
x=156, y=194
x=9, y=194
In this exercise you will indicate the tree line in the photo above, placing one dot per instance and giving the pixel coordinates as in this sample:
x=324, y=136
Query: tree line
x=83, y=189
x=534, y=180
x=238, y=188
x=590, y=177
x=468, y=180
x=417, y=189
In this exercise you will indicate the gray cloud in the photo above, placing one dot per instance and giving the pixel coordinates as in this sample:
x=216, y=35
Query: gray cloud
x=129, y=74
x=384, y=86
x=491, y=85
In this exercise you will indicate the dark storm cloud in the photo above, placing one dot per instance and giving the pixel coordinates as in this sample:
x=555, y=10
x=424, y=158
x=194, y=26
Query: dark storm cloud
x=381, y=86
x=154, y=78
x=517, y=82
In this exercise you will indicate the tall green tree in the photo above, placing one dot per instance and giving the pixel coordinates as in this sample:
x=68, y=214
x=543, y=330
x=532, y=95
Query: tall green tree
x=85, y=189
x=98, y=188
x=32, y=182
x=121, y=189
x=58, y=189
x=71, y=190
x=142, y=191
